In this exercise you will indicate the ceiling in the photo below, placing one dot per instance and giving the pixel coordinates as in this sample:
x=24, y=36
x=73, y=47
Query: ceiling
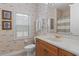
x=61, y=6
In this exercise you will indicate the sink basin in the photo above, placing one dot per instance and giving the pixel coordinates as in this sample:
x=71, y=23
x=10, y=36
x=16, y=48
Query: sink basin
x=59, y=37
x=53, y=37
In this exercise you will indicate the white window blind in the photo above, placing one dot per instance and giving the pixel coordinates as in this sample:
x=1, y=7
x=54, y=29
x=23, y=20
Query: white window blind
x=23, y=25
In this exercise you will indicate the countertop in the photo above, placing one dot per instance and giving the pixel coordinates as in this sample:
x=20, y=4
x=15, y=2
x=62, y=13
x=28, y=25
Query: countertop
x=69, y=42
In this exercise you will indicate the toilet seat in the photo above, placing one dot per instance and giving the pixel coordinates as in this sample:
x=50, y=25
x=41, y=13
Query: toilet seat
x=30, y=49
x=30, y=46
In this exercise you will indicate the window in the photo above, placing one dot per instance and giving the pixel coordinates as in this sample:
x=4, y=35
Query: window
x=23, y=25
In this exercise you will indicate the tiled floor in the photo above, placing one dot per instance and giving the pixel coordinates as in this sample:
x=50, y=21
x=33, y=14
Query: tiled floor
x=22, y=54
x=25, y=54
x=18, y=53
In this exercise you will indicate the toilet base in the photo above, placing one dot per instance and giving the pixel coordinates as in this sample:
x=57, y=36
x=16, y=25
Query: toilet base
x=30, y=49
x=30, y=53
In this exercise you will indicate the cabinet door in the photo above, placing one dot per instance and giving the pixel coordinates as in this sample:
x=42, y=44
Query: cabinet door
x=52, y=50
x=64, y=53
x=40, y=50
x=43, y=51
x=50, y=53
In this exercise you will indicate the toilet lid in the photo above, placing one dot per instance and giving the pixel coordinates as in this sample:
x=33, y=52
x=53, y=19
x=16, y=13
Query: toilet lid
x=30, y=46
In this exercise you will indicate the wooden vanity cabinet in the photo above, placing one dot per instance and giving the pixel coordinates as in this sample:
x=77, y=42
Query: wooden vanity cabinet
x=45, y=49
x=40, y=50
x=65, y=53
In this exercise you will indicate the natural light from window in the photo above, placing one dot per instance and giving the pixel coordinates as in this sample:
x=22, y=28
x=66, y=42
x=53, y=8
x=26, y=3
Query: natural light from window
x=23, y=25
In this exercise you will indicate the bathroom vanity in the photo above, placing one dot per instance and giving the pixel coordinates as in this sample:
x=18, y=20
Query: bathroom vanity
x=46, y=49
x=50, y=46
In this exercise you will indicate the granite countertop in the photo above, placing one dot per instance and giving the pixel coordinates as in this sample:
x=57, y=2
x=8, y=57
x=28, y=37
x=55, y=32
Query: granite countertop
x=69, y=43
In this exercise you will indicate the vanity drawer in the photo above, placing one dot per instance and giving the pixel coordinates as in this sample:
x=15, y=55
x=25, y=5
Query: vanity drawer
x=48, y=47
x=65, y=53
x=52, y=49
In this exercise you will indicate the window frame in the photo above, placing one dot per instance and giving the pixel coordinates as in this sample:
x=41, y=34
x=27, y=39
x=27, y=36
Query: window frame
x=29, y=19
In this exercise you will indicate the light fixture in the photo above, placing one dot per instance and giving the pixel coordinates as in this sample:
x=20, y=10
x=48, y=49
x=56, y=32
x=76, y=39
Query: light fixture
x=46, y=3
x=20, y=14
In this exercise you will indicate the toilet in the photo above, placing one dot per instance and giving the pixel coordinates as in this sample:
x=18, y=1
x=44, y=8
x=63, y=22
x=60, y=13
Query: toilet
x=30, y=49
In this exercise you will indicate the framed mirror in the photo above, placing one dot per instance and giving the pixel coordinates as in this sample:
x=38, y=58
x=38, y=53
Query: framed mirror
x=6, y=25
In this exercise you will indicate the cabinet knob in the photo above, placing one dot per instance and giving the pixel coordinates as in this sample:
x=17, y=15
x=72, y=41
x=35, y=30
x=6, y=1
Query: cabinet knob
x=46, y=52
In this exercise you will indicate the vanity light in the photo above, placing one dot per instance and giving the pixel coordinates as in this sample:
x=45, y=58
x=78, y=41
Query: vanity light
x=18, y=14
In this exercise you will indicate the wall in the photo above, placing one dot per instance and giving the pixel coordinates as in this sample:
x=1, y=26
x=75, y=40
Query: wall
x=46, y=12
x=53, y=14
x=74, y=18
x=63, y=13
x=7, y=42
x=36, y=11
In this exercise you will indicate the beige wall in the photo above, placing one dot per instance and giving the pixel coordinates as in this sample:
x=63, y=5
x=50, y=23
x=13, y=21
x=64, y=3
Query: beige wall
x=63, y=13
x=74, y=19
x=36, y=11
x=47, y=12
x=7, y=42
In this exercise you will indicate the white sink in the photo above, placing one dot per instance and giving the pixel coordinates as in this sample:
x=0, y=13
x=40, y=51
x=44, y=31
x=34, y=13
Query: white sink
x=54, y=38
